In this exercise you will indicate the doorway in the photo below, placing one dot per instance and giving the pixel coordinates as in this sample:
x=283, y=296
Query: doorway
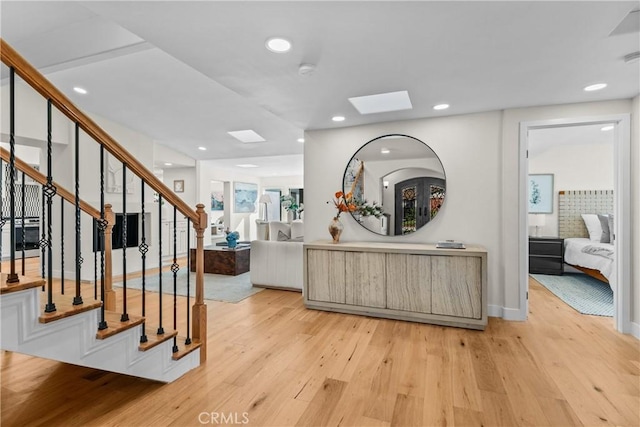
x=621, y=208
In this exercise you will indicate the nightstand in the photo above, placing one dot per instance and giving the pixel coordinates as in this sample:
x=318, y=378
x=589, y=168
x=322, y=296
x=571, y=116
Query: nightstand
x=546, y=255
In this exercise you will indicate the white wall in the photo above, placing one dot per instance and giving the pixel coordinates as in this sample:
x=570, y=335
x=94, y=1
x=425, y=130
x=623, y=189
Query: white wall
x=574, y=167
x=243, y=223
x=31, y=116
x=469, y=148
x=188, y=175
x=282, y=183
x=480, y=155
x=635, y=215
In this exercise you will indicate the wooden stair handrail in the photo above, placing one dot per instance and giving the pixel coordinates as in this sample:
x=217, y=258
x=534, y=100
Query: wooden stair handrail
x=41, y=179
x=37, y=81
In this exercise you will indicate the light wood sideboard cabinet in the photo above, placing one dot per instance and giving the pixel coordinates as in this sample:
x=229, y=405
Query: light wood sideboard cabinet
x=414, y=282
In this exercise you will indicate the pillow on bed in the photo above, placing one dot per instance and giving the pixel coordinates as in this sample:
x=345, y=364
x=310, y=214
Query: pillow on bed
x=594, y=228
x=611, y=229
x=604, y=223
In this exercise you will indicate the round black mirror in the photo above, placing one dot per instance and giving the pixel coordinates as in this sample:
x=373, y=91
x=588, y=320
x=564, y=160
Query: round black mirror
x=397, y=183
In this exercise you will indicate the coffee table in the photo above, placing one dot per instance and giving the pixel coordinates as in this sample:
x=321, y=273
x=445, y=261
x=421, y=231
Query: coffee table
x=222, y=260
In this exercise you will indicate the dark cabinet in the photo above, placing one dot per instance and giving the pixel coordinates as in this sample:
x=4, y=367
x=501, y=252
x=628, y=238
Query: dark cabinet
x=546, y=255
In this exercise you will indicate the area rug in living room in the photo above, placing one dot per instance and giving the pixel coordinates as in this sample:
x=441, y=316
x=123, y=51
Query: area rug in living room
x=217, y=287
x=583, y=293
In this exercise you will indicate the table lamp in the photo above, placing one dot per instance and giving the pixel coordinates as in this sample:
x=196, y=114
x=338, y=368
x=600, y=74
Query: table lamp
x=537, y=220
x=265, y=198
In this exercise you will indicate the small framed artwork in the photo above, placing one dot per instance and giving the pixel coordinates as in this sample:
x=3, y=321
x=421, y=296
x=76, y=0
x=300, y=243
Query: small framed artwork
x=178, y=186
x=541, y=193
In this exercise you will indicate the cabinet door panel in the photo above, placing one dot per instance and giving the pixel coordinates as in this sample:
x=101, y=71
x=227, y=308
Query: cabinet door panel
x=409, y=282
x=456, y=284
x=365, y=276
x=326, y=275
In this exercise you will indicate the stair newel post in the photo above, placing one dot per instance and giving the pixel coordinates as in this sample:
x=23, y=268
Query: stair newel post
x=12, y=277
x=109, y=293
x=174, y=269
x=199, y=327
x=143, y=248
x=49, y=190
x=125, y=315
x=102, y=226
x=187, y=341
x=160, y=328
x=77, y=299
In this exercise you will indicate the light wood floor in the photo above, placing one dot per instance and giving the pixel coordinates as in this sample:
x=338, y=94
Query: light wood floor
x=278, y=364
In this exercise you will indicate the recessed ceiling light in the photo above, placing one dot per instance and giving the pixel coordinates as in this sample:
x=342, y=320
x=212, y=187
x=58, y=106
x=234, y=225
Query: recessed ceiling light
x=278, y=45
x=247, y=165
x=383, y=102
x=441, y=107
x=596, y=86
x=202, y=148
x=338, y=118
x=606, y=128
x=168, y=164
x=80, y=90
x=300, y=140
x=246, y=136
x=385, y=151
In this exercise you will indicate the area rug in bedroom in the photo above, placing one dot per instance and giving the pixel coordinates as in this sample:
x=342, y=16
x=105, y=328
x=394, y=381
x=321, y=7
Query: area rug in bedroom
x=583, y=293
x=217, y=287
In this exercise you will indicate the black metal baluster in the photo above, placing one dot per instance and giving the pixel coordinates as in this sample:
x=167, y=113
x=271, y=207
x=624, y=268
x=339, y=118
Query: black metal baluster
x=43, y=249
x=143, y=248
x=77, y=299
x=125, y=315
x=102, y=225
x=23, y=196
x=61, y=245
x=49, y=190
x=95, y=275
x=188, y=340
x=174, y=269
x=12, y=277
x=160, y=328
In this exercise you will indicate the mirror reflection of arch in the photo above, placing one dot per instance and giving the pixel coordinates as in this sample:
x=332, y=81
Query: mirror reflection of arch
x=401, y=178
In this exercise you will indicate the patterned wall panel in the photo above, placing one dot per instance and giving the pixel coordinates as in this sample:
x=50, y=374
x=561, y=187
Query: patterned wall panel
x=574, y=203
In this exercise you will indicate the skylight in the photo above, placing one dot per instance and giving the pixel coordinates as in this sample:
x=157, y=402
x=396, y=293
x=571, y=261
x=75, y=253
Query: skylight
x=246, y=136
x=383, y=102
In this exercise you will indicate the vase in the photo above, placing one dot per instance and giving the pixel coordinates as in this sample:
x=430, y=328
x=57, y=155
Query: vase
x=335, y=229
x=289, y=217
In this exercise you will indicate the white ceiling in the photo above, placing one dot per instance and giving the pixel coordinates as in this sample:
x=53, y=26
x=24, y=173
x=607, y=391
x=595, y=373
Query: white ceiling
x=186, y=73
x=540, y=140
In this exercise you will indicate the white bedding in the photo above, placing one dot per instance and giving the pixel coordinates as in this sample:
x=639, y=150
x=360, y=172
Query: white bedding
x=574, y=254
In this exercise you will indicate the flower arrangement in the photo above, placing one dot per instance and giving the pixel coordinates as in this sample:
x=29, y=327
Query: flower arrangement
x=290, y=204
x=344, y=203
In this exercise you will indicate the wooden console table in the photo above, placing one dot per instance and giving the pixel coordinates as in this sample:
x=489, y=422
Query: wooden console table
x=222, y=260
x=414, y=282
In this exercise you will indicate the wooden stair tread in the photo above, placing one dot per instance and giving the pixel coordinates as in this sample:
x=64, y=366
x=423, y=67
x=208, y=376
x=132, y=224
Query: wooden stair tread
x=153, y=339
x=114, y=325
x=26, y=282
x=184, y=349
x=65, y=308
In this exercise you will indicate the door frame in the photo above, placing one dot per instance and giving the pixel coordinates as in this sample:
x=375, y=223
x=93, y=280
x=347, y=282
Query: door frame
x=621, y=209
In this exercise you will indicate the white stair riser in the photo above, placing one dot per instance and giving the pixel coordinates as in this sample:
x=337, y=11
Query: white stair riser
x=73, y=340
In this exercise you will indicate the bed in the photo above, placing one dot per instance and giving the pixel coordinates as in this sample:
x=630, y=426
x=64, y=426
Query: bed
x=590, y=256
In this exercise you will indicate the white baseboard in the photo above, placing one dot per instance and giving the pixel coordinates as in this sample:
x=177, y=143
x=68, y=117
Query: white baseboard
x=506, y=313
x=635, y=329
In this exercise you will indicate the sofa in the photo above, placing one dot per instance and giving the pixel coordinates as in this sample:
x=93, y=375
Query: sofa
x=277, y=262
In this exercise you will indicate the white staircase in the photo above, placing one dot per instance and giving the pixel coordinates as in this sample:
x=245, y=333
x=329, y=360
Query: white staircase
x=73, y=340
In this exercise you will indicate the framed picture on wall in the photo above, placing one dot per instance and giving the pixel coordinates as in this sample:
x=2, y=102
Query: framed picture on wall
x=541, y=193
x=245, y=196
x=178, y=186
